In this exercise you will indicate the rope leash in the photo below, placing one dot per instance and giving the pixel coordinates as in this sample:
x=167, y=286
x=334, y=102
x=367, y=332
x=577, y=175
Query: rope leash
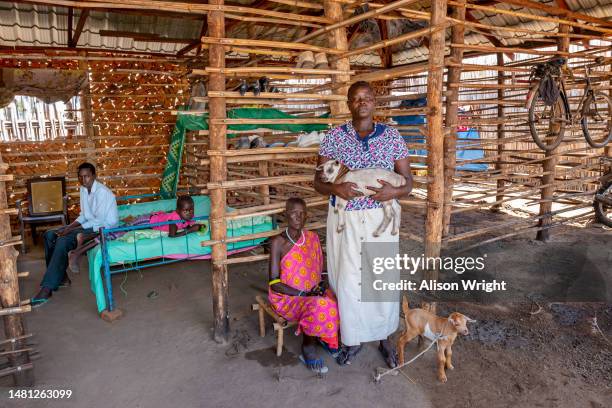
x=379, y=376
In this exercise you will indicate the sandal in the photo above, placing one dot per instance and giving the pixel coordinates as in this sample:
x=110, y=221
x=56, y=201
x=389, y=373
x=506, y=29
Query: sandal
x=317, y=365
x=332, y=352
x=390, y=359
x=346, y=354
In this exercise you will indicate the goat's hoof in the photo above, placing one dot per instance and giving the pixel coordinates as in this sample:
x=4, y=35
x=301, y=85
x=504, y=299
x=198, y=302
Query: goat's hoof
x=394, y=232
x=450, y=367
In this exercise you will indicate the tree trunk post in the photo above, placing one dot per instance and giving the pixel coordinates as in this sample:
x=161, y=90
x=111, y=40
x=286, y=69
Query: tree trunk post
x=9, y=293
x=218, y=173
x=452, y=113
x=549, y=165
x=501, y=184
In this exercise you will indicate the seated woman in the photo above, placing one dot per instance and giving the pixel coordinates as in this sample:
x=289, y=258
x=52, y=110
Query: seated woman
x=296, y=290
x=184, y=211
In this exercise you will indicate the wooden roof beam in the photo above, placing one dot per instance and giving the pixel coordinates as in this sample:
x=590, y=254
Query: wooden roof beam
x=188, y=48
x=558, y=11
x=182, y=7
x=144, y=36
x=49, y=50
x=386, y=56
x=562, y=4
x=491, y=37
x=79, y=28
x=203, y=32
x=70, y=18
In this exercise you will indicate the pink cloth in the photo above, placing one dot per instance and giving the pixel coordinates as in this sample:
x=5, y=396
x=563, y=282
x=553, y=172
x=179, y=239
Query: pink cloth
x=171, y=216
x=301, y=268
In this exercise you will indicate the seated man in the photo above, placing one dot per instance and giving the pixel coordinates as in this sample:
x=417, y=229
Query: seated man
x=98, y=209
x=296, y=290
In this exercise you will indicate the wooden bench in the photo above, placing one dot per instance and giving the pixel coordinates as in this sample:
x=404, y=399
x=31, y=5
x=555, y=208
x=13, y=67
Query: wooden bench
x=279, y=324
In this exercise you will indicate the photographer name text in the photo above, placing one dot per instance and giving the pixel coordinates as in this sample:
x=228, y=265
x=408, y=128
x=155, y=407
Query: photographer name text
x=433, y=285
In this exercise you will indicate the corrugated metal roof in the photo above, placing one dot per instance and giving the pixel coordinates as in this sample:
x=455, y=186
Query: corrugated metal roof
x=35, y=25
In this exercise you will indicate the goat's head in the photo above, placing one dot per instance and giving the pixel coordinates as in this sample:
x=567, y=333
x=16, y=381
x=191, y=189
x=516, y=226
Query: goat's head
x=330, y=170
x=460, y=321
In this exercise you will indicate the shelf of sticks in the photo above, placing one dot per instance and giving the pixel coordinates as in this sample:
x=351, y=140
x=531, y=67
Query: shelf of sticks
x=258, y=181
x=15, y=353
x=488, y=93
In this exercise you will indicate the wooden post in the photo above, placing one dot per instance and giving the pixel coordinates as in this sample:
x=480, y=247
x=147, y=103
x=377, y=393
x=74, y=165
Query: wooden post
x=549, y=165
x=88, y=128
x=452, y=108
x=338, y=40
x=264, y=190
x=218, y=173
x=608, y=148
x=435, y=137
x=9, y=291
x=501, y=184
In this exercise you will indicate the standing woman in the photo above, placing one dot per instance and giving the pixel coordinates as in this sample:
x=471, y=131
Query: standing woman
x=362, y=143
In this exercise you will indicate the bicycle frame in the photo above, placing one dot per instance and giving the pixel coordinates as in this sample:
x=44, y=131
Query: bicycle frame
x=579, y=111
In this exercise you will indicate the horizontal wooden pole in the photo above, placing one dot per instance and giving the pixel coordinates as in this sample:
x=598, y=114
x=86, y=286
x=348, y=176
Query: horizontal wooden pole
x=278, y=21
x=250, y=152
x=237, y=184
x=497, y=10
x=355, y=19
x=269, y=44
x=16, y=240
x=182, y=7
x=266, y=157
x=248, y=237
x=12, y=370
x=268, y=209
x=527, y=31
x=16, y=339
x=305, y=121
x=387, y=43
x=275, y=95
x=275, y=70
x=244, y=259
x=15, y=310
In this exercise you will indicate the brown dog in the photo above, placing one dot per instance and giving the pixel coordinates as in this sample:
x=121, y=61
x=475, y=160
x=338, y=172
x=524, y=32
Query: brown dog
x=422, y=323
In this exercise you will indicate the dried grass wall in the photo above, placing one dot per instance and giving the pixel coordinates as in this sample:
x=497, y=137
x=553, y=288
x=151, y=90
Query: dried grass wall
x=131, y=102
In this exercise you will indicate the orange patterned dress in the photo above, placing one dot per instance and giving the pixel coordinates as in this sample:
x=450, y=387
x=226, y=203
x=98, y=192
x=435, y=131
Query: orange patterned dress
x=301, y=267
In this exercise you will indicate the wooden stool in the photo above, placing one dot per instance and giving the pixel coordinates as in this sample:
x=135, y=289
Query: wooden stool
x=279, y=324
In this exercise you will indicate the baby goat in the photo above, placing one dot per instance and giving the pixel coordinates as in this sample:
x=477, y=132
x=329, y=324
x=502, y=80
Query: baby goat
x=335, y=172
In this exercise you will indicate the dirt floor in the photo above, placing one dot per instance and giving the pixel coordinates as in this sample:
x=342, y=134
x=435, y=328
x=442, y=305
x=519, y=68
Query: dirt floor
x=521, y=352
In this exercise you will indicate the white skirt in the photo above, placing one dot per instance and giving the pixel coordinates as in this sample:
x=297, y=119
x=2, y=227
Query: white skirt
x=360, y=322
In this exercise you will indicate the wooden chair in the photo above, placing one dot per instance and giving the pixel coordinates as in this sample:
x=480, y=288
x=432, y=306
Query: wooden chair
x=47, y=203
x=279, y=324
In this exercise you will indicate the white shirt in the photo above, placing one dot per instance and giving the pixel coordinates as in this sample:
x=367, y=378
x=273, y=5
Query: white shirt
x=98, y=208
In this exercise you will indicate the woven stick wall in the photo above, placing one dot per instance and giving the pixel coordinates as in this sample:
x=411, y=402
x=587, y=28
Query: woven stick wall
x=128, y=121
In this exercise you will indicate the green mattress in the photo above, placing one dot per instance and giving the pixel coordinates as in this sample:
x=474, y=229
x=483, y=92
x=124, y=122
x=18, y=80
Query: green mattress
x=146, y=244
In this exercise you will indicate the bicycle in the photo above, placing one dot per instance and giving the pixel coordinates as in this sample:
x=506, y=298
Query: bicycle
x=603, y=198
x=549, y=109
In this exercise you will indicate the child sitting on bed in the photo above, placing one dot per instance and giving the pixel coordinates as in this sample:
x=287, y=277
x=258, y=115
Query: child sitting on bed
x=184, y=211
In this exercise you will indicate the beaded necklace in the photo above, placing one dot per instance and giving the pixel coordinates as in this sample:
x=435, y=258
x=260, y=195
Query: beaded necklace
x=292, y=241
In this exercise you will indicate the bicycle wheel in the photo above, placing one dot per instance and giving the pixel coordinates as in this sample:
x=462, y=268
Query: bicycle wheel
x=603, y=211
x=547, y=122
x=597, y=119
